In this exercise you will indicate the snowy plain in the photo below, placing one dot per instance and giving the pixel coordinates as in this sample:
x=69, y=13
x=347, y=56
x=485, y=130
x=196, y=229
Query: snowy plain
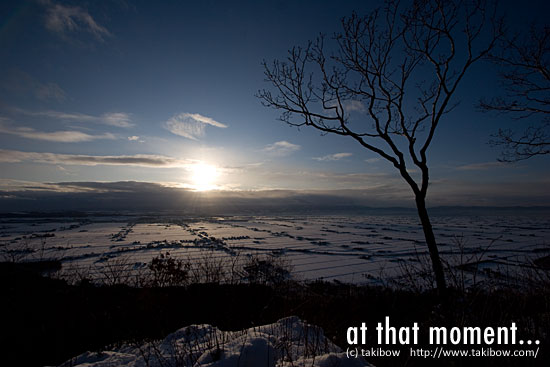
x=356, y=249
x=353, y=249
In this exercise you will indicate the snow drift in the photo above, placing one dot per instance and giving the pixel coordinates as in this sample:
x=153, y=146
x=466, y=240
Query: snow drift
x=287, y=342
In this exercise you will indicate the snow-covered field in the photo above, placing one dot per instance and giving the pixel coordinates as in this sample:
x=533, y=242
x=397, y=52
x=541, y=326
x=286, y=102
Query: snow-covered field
x=288, y=342
x=344, y=248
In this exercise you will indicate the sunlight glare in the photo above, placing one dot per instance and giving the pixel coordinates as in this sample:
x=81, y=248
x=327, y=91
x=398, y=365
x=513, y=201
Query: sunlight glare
x=204, y=176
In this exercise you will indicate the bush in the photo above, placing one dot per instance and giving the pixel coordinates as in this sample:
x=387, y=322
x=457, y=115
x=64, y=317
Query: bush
x=169, y=272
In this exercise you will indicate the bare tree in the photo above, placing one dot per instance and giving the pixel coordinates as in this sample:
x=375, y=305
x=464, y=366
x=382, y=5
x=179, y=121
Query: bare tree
x=525, y=77
x=402, y=63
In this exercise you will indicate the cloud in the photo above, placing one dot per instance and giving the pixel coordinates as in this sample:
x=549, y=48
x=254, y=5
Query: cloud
x=67, y=136
x=129, y=195
x=190, y=125
x=136, y=138
x=142, y=160
x=16, y=81
x=333, y=157
x=372, y=160
x=281, y=148
x=522, y=192
x=117, y=119
x=21, y=196
x=49, y=91
x=203, y=119
x=63, y=20
x=481, y=166
x=321, y=180
x=353, y=105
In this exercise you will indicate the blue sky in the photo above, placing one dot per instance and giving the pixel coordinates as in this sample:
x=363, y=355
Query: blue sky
x=106, y=91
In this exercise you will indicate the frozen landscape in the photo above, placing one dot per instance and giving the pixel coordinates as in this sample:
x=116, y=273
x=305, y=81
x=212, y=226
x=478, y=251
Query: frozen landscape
x=235, y=254
x=288, y=342
x=355, y=249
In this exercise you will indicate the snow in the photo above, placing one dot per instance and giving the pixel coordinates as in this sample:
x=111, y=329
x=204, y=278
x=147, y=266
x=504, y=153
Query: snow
x=287, y=342
x=354, y=249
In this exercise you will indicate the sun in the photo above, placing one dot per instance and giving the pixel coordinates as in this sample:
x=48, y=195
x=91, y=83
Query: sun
x=204, y=176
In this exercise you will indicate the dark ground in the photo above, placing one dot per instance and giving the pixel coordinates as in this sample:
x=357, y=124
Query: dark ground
x=46, y=322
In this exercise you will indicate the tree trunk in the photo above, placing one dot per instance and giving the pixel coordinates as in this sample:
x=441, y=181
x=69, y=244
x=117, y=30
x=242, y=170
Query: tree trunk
x=432, y=245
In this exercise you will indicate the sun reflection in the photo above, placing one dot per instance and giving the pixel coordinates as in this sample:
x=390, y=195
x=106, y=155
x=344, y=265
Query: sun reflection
x=204, y=176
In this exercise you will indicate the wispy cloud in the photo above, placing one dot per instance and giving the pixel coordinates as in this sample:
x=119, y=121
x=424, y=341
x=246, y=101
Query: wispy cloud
x=190, y=125
x=142, y=160
x=49, y=91
x=281, y=148
x=63, y=20
x=117, y=119
x=353, y=105
x=372, y=160
x=136, y=138
x=203, y=119
x=67, y=136
x=481, y=166
x=286, y=178
x=333, y=157
x=16, y=81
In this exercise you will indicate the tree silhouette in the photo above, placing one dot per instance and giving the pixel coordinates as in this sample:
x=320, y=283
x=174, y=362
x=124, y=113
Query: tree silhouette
x=402, y=64
x=525, y=76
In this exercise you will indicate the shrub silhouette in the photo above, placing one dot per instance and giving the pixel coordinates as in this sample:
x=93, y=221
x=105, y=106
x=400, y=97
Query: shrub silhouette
x=261, y=270
x=168, y=272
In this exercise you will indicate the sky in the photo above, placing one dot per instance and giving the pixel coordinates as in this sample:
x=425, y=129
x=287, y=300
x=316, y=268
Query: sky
x=163, y=95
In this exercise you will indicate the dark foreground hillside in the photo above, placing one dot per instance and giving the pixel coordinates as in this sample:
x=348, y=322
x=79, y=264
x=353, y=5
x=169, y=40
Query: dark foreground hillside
x=46, y=321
